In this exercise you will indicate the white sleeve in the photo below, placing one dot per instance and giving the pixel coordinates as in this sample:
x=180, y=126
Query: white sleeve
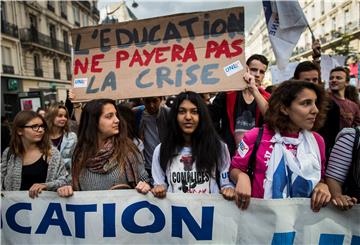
x=223, y=168
x=156, y=170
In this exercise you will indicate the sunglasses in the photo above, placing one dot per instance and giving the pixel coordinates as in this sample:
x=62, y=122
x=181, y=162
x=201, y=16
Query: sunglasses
x=35, y=127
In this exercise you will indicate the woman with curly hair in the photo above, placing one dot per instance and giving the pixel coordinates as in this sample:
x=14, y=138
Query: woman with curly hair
x=290, y=158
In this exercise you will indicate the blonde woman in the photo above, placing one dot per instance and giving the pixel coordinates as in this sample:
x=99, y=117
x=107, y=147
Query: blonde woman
x=65, y=141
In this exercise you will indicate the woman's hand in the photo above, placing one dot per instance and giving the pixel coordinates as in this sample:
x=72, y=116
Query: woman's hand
x=228, y=193
x=243, y=191
x=344, y=202
x=143, y=187
x=36, y=189
x=320, y=196
x=159, y=191
x=65, y=191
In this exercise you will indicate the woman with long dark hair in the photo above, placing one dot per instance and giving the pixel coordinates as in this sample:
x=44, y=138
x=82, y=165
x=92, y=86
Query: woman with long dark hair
x=57, y=119
x=290, y=158
x=192, y=158
x=105, y=157
x=30, y=162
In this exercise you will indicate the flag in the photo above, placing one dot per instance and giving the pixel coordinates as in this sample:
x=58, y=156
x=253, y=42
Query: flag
x=285, y=22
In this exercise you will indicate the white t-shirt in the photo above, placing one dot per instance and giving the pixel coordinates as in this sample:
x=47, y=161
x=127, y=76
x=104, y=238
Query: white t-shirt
x=182, y=175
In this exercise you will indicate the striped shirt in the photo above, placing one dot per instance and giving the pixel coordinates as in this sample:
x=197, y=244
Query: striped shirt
x=341, y=155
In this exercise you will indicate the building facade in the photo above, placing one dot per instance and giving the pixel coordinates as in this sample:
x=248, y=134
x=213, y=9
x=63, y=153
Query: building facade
x=36, y=50
x=335, y=22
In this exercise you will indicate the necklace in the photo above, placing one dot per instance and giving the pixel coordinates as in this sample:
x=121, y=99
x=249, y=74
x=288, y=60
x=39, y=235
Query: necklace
x=57, y=142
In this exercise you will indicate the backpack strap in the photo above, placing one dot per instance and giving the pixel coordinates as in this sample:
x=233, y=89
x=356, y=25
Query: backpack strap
x=252, y=160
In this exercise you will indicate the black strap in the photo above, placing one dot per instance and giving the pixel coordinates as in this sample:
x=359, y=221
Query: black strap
x=252, y=160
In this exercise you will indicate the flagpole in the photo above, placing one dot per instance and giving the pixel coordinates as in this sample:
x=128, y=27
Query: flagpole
x=312, y=34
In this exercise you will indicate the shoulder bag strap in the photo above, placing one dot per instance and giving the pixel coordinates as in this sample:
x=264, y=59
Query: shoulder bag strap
x=252, y=160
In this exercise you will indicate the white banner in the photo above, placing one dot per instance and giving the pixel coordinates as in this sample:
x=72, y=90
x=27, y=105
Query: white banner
x=127, y=217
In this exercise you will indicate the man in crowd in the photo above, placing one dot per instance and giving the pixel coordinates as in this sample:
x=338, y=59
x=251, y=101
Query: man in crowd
x=308, y=71
x=236, y=112
x=349, y=111
x=152, y=127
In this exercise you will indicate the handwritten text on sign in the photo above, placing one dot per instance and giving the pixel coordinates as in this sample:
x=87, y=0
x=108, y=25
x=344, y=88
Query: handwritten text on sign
x=160, y=56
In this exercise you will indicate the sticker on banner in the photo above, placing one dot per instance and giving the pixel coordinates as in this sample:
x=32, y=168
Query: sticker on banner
x=233, y=68
x=243, y=148
x=80, y=83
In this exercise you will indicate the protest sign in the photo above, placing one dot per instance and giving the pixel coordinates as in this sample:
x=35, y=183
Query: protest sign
x=278, y=76
x=202, y=52
x=127, y=217
x=328, y=62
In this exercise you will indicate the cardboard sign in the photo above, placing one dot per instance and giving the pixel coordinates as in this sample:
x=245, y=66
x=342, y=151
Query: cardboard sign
x=202, y=52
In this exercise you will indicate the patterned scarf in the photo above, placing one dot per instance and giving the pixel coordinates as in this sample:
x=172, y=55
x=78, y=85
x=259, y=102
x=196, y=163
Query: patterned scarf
x=104, y=162
x=101, y=163
x=293, y=176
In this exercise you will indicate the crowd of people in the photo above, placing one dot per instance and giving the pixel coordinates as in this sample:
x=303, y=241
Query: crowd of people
x=295, y=139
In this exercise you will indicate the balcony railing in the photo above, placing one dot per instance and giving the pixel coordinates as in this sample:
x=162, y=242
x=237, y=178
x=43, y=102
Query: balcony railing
x=9, y=29
x=57, y=75
x=29, y=35
x=38, y=72
x=77, y=23
x=8, y=69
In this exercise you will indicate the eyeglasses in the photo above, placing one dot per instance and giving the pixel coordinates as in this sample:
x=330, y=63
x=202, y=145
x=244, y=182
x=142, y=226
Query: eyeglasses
x=35, y=127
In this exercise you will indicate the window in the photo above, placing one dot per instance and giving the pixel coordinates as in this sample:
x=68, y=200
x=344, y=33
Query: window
x=37, y=66
x=37, y=62
x=346, y=20
x=85, y=19
x=322, y=6
x=66, y=41
x=68, y=70
x=56, y=69
x=313, y=12
x=51, y=6
x=346, y=17
x=3, y=13
x=63, y=9
x=76, y=15
x=6, y=56
x=33, y=21
x=52, y=31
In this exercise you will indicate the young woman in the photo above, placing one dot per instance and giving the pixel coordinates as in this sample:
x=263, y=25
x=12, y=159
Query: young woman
x=191, y=159
x=57, y=120
x=104, y=157
x=30, y=162
x=290, y=159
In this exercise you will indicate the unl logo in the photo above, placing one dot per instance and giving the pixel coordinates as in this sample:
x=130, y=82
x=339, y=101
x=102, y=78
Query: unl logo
x=243, y=148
